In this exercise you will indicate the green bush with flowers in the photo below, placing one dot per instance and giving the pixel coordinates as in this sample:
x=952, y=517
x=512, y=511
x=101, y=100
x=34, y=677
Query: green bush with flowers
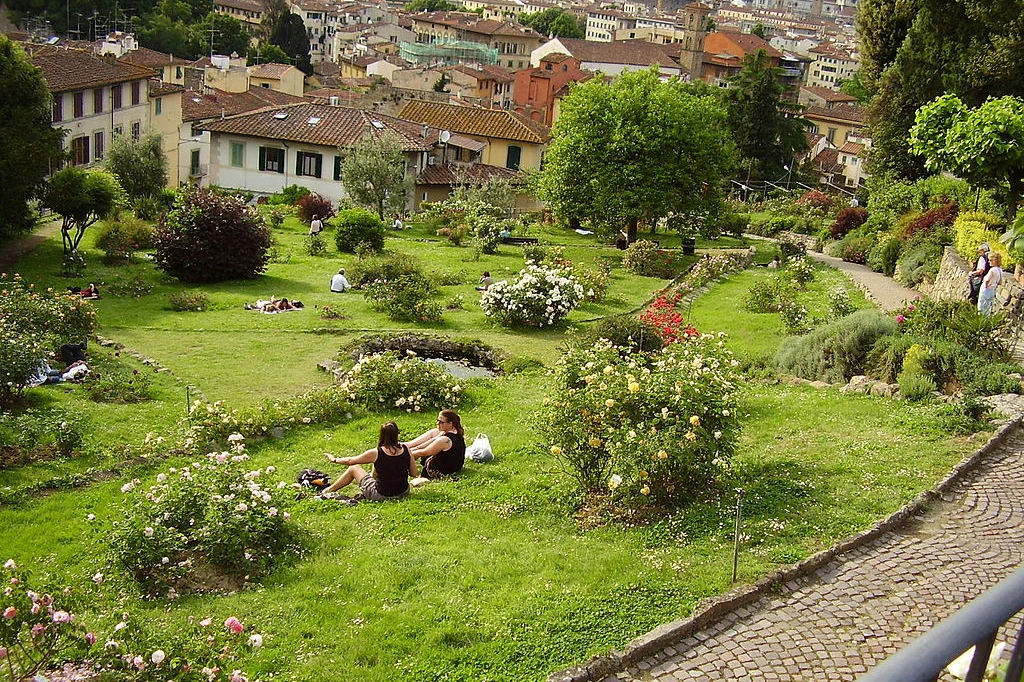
x=217, y=514
x=539, y=296
x=42, y=637
x=648, y=428
x=593, y=280
x=33, y=324
x=389, y=380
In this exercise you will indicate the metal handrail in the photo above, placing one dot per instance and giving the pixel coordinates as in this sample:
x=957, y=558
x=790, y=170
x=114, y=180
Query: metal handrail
x=974, y=625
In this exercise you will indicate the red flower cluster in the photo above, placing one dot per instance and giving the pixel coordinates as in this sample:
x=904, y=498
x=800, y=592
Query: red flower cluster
x=664, y=317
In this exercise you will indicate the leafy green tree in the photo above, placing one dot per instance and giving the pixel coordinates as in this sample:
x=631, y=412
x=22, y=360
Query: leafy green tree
x=229, y=34
x=970, y=48
x=163, y=34
x=882, y=26
x=636, y=150
x=29, y=144
x=373, y=173
x=766, y=127
x=81, y=197
x=274, y=12
x=855, y=87
x=267, y=53
x=431, y=6
x=290, y=35
x=984, y=145
x=140, y=165
x=211, y=237
x=553, y=21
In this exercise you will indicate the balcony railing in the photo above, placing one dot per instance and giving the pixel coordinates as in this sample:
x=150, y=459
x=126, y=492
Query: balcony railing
x=977, y=625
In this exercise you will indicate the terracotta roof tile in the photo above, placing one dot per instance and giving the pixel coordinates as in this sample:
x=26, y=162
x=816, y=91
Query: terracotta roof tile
x=66, y=69
x=321, y=124
x=200, y=106
x=143, y=56
x=828, y=94
x=633, y=52
x=477, y=173
x=853, y=148
x=271, y=70
x=851, y=113
x=478, y=121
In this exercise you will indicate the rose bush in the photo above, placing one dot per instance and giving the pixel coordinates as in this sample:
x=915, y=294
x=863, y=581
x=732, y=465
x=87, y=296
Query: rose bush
x=648, y=427
x=539, y=296
x=215, y=513
x=389, y=380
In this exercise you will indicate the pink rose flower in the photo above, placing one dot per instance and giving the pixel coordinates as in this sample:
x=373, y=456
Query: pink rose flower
x=234, y=625
x=10, y=612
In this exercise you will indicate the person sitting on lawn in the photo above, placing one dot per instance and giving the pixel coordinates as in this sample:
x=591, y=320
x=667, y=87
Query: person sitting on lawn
x=393, y=466
x=274, y=305
x=91, y=292
x=443, y=447
x=485, y=281
x=340, y=283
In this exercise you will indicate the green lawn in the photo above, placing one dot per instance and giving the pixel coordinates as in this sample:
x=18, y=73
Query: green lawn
x=489, y=577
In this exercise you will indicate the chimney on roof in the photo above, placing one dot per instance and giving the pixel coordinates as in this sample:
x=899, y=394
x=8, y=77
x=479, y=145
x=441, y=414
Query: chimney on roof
x=426, y=128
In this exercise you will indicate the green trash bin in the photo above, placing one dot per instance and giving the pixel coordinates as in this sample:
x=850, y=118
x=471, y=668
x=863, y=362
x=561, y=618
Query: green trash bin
x=689, y=246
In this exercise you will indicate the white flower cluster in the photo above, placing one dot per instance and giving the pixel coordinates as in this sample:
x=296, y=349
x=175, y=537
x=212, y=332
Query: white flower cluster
x=406, y=382
x=539, y=296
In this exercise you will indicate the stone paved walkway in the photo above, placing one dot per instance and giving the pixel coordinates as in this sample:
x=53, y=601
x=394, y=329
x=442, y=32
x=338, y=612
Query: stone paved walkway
x=888, y=294
x=840, y=620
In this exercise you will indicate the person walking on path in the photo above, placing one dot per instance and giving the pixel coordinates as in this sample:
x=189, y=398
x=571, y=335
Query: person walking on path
x=316, y=226
x=990, y=284
x=978, y=273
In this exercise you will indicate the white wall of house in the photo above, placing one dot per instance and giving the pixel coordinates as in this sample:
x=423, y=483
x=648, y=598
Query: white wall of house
x=235, y=162
x=93, y=116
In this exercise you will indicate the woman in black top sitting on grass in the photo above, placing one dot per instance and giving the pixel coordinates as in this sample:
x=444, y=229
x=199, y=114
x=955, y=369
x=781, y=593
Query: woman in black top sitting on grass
x=444, y=447
x=392, y=468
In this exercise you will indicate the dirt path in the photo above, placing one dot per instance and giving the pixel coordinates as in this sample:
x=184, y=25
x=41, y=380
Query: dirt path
x=16, y=249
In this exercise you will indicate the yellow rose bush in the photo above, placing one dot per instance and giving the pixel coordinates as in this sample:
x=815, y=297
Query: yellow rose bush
x=648, y=428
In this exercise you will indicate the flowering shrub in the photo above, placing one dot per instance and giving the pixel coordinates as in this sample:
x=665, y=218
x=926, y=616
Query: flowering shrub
x=35, y=628
x=594, y=281
x=839, y=303
x=332, y=313
x=404, y=298
x=215, y=513
x=315, y=244
x=848, y=219
x=539, y=296
x=33, y=323
x=189, y=301
x=802, y=270
x=389, y=380
x=118, y=386
x=649, y=427
x=37, y=435
x=794, y=316
x=815, y=199
x=644, y=258
x=313, y=204
x=711, y=267
x=122, y=236
x=766, y=295
x=664, y=318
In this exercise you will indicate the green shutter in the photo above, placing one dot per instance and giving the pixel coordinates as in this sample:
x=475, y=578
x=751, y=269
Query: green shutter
x=298, y=162
x=319, y=165
x=263, y=158
x=337, y=168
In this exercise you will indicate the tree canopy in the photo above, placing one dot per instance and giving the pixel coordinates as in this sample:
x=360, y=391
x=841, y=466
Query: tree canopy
x=373, y=173
x=766, y=127
x=81, y=197
x=553, y=21
x=983, y=145
x=431, y=6
x=636, y=150
x=29, y=145
x=917, y=50
x=290, y=35
x=140, y=165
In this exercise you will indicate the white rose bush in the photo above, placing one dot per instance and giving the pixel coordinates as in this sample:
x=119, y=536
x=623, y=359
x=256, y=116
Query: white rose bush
x=388, y=380
x=539, y=296
x=216, y=513
x=647, y=428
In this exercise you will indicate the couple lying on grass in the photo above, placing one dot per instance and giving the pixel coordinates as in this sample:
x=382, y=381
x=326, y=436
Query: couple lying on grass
x=274, y=305
x=394, y=463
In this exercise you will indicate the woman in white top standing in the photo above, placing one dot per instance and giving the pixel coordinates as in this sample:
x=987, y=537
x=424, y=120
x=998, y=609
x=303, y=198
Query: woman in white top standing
x=993, y=278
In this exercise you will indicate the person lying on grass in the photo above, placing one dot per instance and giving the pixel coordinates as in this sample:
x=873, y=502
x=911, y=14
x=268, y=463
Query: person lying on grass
x=393, y=466
x=443, y=447
x=274, y=305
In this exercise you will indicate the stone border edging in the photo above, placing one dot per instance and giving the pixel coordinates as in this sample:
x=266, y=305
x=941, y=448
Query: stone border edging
x=715, y=608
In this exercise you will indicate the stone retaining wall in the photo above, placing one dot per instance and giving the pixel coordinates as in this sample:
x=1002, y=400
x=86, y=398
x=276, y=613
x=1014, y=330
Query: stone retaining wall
x=951, y=285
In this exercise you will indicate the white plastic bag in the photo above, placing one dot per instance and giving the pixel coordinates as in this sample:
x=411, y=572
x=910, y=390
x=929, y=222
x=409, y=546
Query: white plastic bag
x=480, y=449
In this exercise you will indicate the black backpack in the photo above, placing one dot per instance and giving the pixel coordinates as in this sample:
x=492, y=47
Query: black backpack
x=313, y=478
